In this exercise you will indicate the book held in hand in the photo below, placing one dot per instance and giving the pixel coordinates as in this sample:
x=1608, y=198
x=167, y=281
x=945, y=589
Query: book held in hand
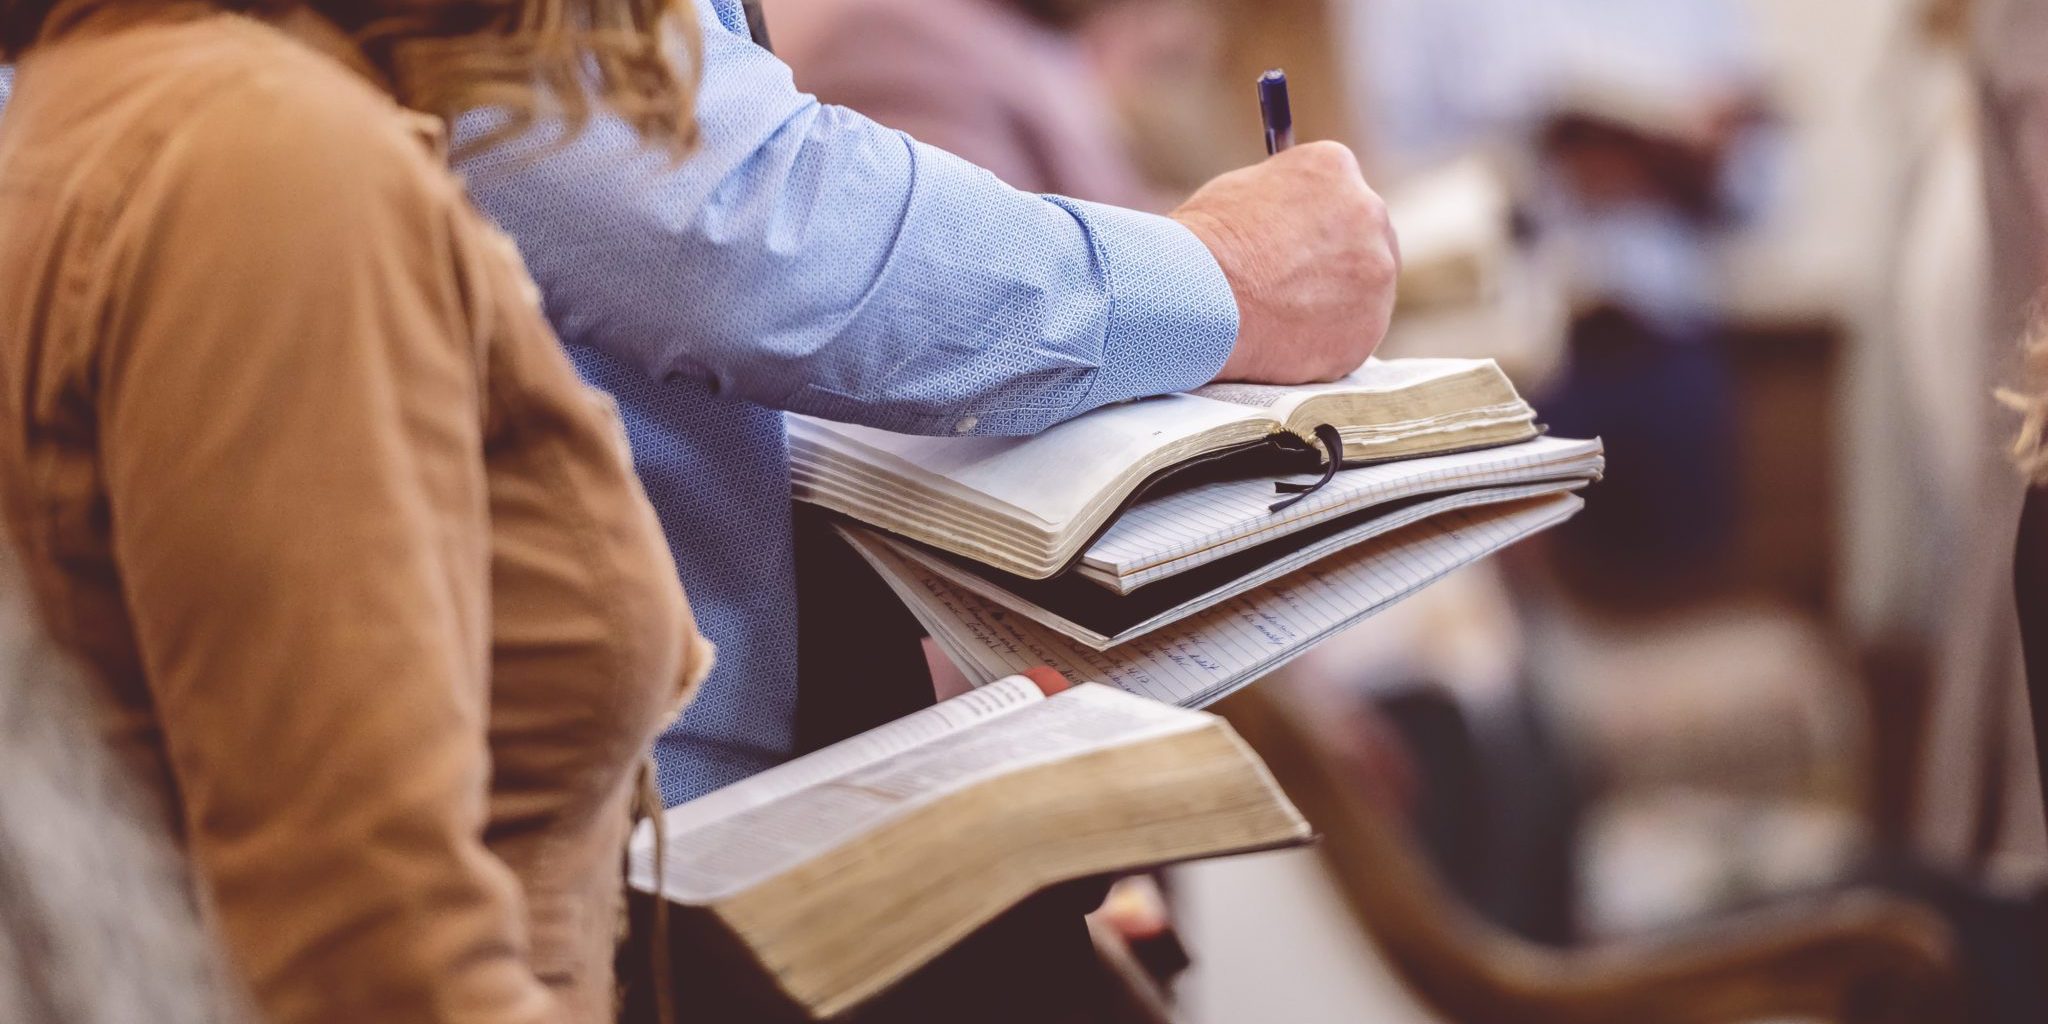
x=840, y=873
x=1030, y=506
x=1142, y=545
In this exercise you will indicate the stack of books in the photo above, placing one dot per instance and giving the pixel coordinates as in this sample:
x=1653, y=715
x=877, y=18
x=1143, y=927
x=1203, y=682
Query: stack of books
x=1182, y=547
x=1143, y=546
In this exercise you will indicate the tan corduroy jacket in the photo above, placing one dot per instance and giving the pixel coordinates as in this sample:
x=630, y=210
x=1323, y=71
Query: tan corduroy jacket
x=297, y=467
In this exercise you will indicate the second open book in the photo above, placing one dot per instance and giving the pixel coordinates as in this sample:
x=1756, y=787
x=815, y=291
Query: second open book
x=835, y=875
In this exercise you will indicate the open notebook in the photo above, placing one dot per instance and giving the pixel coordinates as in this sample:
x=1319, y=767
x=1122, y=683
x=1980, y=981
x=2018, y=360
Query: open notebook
x=1029, y=506
x=839, y=873
x=1177, y=529
x=1205, y=657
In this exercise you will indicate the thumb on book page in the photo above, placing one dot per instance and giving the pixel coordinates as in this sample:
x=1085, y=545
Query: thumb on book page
x=1049, y=681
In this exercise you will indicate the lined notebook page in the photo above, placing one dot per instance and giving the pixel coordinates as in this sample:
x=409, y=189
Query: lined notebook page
x=1202, y=659
x=1172, y=533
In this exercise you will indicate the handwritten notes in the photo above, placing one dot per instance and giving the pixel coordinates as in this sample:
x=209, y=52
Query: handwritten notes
x=1170, y=534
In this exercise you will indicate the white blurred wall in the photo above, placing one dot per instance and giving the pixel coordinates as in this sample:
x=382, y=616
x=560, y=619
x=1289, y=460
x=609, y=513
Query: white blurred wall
x=1274, y=943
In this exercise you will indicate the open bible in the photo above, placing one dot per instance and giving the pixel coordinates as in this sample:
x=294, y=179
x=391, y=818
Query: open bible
x=840, y=873
x=1030, y=506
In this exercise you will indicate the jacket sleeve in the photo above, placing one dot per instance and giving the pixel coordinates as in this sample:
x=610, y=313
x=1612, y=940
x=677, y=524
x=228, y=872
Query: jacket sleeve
x=291, y=416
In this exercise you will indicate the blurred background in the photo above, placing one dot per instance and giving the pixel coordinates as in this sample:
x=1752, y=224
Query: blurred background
x=1778, y=253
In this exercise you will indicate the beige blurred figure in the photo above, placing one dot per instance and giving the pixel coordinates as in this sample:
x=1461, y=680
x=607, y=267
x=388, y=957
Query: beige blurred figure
x=1980, y=802
x=98, y=922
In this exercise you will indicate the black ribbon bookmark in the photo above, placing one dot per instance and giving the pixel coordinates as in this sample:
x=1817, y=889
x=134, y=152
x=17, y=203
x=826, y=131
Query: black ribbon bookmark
x=1333, y=460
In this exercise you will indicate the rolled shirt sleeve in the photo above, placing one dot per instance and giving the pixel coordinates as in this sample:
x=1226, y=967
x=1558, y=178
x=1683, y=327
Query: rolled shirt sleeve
x=808, y=259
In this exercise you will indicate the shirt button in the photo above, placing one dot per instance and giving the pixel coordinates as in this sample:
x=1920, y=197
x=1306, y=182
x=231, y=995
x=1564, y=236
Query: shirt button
x=967, y=425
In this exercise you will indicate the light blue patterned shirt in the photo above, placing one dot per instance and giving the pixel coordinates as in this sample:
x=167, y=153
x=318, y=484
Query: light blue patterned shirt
x=807, y=259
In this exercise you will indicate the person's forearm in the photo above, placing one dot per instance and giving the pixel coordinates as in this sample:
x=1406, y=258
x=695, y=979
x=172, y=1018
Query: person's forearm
x=808, y=259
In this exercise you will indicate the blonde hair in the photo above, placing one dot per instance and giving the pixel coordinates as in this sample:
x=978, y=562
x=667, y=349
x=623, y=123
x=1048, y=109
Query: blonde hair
x=527, y=60
x=2030, y=450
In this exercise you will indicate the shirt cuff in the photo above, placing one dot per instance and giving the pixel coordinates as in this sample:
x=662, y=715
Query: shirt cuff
x=1172, y=316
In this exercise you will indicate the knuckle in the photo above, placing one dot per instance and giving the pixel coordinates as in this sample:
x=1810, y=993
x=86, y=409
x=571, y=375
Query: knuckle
x=1329, y=157
x=1375, y=209
x=1340, y=157
x=1386, y=267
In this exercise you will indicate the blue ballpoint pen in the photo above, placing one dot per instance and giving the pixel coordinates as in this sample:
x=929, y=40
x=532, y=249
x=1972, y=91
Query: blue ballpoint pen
x=1277, y=111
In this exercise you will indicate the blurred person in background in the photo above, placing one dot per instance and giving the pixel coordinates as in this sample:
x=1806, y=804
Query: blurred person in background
x=1108, y=100
x=1006, y=84
x=368, y=594
x=1933, y=566
x=1978, y=754
x=1159, y=62
x=1994, y=654
x=1964, y=225
x=1640, y=121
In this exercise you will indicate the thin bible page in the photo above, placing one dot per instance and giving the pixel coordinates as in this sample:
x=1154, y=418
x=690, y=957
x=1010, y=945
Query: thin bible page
x=985, y=704
x=745, y=849
x=1377, y=375
x=1048, y=480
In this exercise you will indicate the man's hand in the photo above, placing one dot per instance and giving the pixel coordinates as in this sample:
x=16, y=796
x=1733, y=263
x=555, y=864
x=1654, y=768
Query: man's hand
x=1312, y=258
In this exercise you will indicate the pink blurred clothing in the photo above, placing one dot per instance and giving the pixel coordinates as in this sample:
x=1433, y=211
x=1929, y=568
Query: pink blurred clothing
x=976, y=77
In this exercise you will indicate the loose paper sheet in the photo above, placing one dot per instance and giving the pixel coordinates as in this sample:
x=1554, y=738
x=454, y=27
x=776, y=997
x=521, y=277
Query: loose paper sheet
x=1079, y=630
x=1203, y=659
